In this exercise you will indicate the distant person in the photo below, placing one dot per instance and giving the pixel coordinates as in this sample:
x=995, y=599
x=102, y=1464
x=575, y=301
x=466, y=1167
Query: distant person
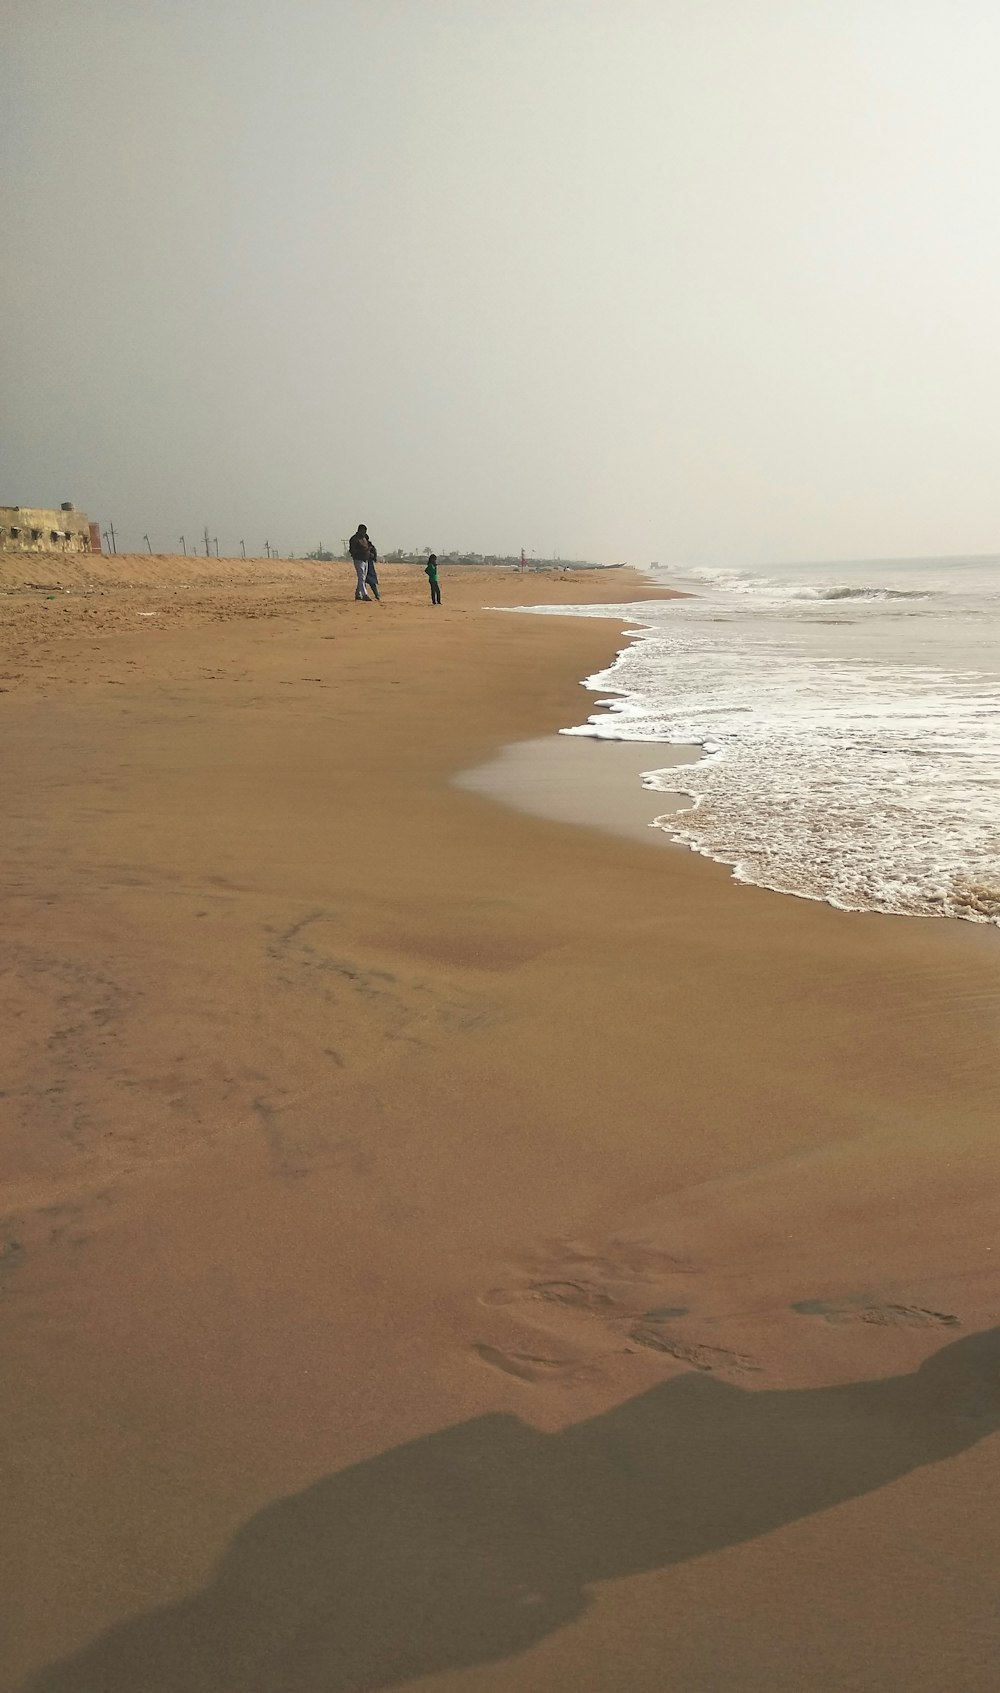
x=431, y=572
x=371, y=574
x=358, y=547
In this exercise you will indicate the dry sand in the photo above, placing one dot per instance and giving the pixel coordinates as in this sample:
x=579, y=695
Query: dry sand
x=445, y=1243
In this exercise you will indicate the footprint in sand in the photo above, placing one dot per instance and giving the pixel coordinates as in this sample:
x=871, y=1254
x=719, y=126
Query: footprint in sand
x=11, y=1253
x=616, y=1284
x=617, y=1281
x=529, y=1367
x=576, y=1295
x=881, y=1316
x=652, y=1334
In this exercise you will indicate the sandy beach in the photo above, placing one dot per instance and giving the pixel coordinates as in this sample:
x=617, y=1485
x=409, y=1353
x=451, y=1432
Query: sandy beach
x=448, y=1245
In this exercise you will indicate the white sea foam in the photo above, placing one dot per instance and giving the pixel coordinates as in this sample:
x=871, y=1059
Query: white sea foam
x=849, y=718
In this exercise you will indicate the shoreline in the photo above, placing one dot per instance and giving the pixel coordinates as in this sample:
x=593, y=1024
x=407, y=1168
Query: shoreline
x=804, y=792
x=584, y=780
x=362, y=1128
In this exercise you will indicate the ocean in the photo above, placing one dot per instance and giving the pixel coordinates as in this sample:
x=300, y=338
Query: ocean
x=848, y=717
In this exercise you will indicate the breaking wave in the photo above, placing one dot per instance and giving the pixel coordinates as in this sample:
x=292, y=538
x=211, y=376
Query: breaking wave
x=854, y=762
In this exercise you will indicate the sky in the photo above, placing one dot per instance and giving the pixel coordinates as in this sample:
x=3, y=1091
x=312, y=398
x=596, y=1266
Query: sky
x=707, y=282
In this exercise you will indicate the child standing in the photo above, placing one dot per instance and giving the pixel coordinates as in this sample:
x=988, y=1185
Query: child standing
x=371, y=574
x=431, y=572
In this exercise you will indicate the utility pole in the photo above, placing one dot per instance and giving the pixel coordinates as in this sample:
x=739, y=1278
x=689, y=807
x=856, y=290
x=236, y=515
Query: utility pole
x=267, y=548
x=111, y=526
x=216, y=546
x=208, y=544
x=148, y=547
x=243, y=548
x=185, y=546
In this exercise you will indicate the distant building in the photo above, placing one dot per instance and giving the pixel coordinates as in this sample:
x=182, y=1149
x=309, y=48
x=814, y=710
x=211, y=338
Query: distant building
x=30, y=529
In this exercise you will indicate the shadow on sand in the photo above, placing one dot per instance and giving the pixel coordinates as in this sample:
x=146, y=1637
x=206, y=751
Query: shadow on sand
x=474, y=1543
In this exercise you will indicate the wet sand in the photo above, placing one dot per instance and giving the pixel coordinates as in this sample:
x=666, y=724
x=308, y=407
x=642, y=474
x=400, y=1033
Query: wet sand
x=580, y=779
x=448, y=1243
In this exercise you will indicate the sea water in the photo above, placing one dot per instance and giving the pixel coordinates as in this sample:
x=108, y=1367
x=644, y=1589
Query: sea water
x=848, y=717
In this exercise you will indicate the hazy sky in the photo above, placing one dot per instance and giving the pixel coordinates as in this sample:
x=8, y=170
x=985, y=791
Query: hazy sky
x=686, y=280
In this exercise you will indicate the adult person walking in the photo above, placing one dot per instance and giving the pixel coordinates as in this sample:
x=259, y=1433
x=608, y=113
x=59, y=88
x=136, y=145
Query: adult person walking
x=431, y=572
x=358, y=547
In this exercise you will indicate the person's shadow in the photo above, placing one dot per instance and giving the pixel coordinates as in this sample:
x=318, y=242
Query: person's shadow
x=474, y=1543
